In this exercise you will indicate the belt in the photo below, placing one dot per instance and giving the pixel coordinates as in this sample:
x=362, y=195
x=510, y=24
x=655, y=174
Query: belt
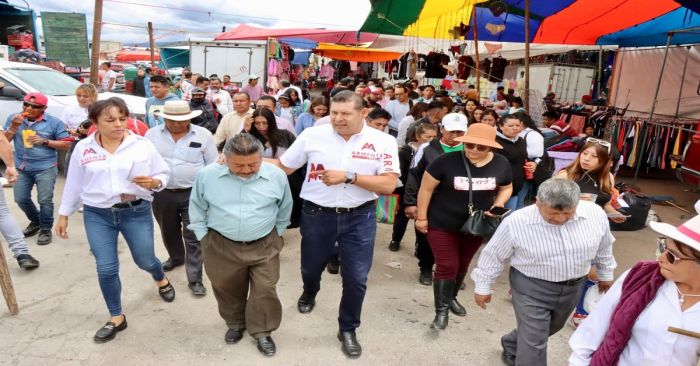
x=249, y=242
x=571, y=282
x=339, y=210
x=178, y=189
x=128, y=204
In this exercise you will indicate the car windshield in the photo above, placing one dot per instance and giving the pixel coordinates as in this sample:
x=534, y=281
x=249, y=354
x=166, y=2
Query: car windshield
x=48, y=82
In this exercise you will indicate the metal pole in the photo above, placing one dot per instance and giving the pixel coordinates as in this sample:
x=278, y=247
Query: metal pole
x=680, y=90
x=96, y=31
x=653, y=106
x=476, y=51
x=600, y=70
x=526, y=100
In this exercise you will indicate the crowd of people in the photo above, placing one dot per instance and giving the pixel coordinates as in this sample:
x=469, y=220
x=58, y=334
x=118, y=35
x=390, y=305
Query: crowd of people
x=225, y=172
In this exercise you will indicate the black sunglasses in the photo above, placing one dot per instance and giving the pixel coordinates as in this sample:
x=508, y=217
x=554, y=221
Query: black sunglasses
x=481, y=148
x=670, y=256
x=34, y=106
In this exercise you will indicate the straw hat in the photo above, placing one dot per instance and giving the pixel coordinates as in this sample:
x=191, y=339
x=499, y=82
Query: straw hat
x=178, y=110
x=688, y=233
x=480, y=134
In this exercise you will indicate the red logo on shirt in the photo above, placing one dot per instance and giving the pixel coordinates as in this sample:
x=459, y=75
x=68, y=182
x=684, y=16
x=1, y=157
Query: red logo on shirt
x=313, y=173
x=368, y=146
x=89, y=151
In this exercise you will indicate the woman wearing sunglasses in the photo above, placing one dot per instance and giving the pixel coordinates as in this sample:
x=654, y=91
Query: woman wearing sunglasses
x=629, y=325
x=591, y=171
x=443, y=199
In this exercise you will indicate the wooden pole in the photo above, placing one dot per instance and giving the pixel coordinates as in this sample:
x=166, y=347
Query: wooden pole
x=526, y=95
x=8, y=292
x=96, y=34
x=476, y=50
x=152, y=44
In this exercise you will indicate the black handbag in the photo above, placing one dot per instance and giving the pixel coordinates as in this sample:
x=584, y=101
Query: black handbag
x=477, y=224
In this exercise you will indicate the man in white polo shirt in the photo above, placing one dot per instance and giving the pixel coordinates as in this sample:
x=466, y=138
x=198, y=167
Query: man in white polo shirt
x=347, y=163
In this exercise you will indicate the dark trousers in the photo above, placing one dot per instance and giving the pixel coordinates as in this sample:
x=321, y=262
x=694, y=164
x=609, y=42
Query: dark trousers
x=541, y=309
x=171, y=210
x=453, y=252
x=424, y=253
x=354, y=233
x=234, y=269
x=401, y=221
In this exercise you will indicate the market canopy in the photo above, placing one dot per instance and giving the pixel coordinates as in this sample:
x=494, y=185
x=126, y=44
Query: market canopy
x=627, y=23
x=136, y=55
x=247, y=32
x=358, y=54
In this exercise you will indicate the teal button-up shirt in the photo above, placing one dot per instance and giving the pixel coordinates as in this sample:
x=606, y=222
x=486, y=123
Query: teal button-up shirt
x=241, y=210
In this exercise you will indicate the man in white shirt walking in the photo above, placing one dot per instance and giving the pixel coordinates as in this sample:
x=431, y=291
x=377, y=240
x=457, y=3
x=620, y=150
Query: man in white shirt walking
x=219, y=97
x=348, y=162
x=551, y=246
x=398, y=108
x=109, y=78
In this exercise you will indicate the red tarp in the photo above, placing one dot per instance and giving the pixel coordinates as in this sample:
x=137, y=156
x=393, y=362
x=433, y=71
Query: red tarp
x=246, y=32
x=131, y=56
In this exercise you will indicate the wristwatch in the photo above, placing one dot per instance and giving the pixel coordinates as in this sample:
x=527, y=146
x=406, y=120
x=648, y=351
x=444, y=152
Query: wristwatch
x=349, y=177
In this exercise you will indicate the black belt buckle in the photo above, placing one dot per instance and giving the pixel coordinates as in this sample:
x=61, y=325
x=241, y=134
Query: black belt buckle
x=340, y=210
x=178, y=189
x=128, y=204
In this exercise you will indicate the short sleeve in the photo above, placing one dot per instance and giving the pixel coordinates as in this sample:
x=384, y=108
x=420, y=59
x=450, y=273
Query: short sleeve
x=435, y=169
x=390, y=159
x=506, y=174
x=296, y=156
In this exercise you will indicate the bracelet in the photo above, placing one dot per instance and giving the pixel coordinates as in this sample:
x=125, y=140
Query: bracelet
x=421, y=219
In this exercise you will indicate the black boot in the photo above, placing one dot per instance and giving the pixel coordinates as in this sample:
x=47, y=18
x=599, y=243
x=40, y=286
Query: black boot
x=443, y=291
x=455, y=307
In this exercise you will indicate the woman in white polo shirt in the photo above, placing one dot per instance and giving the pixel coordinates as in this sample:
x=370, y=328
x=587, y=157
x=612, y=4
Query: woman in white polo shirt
x=114, y=172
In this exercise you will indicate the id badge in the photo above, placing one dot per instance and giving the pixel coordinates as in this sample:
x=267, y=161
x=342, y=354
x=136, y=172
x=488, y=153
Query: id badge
x=461, y=183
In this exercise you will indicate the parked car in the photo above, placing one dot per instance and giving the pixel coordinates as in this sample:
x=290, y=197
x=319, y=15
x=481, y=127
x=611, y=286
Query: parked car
x=22, y=78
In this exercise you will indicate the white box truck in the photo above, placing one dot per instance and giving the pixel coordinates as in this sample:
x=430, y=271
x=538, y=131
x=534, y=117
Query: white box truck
x=235, y=58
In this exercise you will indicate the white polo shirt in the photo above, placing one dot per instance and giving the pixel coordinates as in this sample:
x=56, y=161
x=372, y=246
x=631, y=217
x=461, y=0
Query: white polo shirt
x=369, y=152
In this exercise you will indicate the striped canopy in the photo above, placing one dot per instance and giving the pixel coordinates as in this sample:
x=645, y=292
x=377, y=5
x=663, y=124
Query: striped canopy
x=627, y=23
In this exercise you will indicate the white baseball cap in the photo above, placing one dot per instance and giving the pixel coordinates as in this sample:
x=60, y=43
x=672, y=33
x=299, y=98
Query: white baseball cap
x=253, y=77
x=455, y=122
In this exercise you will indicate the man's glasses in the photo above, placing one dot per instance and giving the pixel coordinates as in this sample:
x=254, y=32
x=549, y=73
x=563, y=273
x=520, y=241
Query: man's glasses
x=476, y=147
x=661, y=248
x=30, y=105
x=603, y=143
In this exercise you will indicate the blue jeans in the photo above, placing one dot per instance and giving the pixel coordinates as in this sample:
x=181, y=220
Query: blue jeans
x=354, y=233
x=45, y=180
x=103, y=226
x=522, y=195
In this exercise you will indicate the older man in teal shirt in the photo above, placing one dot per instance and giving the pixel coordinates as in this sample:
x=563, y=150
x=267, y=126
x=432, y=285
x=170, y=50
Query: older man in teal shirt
x=239, y=211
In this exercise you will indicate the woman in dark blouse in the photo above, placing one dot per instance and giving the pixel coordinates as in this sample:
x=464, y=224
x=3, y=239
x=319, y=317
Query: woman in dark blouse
x=515, y=150
x=443, y=201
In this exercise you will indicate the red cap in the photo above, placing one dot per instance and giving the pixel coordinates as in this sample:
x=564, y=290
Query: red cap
x=36, y=98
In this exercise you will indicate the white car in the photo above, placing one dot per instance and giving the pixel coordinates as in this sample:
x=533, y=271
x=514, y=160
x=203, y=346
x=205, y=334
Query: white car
x=22, y=78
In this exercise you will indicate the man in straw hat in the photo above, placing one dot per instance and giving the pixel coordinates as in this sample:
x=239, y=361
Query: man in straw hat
x=187, y=148
x=551, y=246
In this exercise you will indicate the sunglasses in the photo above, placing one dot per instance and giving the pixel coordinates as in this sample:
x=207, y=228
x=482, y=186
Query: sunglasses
x=670, y=256
x=30, y=105
x=476, y=147
x=603, y=143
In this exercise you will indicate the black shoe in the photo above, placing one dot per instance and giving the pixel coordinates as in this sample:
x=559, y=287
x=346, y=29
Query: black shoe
x=333, y=265
x=26, y=261
x=44, y=237
x=426, y=278
x=351, y=347
x=197, y=288
x=306, y=303
x=234, y=335
x=394, y=246
x=167, y=292
x=31, y=230
x=266, y=346
x=507, y=358
x=109, y=331
x=443, y=293
x=170, y=264
x=455, y=307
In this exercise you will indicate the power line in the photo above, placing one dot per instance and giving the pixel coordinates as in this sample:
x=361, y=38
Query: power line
x=211, y=13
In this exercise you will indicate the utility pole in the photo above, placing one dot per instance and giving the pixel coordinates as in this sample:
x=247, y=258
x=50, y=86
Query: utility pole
x=152, y=44
x=96, y=33
x=526, y=100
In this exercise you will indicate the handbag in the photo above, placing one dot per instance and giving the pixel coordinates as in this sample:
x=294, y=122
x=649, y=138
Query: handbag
x=387, y=206
x=477, y=224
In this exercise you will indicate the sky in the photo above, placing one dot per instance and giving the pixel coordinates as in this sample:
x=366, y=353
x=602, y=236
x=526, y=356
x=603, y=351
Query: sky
x=177, y=20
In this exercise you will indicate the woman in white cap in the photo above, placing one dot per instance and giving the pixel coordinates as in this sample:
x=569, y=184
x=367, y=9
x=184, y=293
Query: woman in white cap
x=114, y=172
x=630, y=324
x=443, y=199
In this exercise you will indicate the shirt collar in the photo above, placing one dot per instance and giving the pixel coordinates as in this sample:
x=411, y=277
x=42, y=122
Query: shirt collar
x=164, y=130
x=511, y=139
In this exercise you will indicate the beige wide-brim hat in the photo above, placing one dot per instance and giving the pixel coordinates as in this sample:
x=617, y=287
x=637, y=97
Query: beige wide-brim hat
x=688, y=233
x=480, y=134
x=178, y=110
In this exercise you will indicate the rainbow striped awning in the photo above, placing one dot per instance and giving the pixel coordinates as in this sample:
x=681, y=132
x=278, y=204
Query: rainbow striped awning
x=627, y=23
